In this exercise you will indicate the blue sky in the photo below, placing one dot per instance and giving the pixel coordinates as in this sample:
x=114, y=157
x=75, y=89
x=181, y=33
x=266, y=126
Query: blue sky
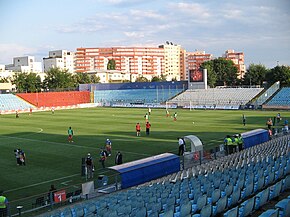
x=259, y=28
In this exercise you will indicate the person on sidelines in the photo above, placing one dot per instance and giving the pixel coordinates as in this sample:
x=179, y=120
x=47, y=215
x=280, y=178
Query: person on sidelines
x=89, y=166
x=148, y=125
x=3, y=205
x=235, y=143
x=52, y=110
x=269, y=123
x=103, y=157
x=109, y=147
x=70, y=133
x=50, y=195
x=181, y=146
x=240, y=142
x=119, y=158
x=228, y=144
x=17, y=114
x=138, y=129
x=244, y=120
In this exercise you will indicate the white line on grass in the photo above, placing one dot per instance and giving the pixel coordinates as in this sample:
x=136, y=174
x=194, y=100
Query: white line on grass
x=40, y=183
x=70, y=145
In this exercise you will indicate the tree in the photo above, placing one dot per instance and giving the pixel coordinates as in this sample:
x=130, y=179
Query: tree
x=26, y=82
x=141, y=79
x=95, y=79
x=225, y=71
x=158, y=78
x=81, y=78
x=255, y=74
x=58, y=79
x=111, y=64
x=279, y=73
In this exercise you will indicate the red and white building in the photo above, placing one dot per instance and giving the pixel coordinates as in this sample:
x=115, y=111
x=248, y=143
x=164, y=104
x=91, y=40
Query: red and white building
x=238, y=59
x=138, y=61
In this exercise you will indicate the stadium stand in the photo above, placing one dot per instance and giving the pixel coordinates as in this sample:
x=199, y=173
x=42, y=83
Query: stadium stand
x=136, y=93
x=49, y=99
x=265, y=95
x=217, y=98
x=280, y=100
x=229, y=185
x=12, y=102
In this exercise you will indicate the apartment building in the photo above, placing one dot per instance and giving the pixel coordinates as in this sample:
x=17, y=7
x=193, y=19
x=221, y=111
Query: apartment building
x=195, y=59
x=25, y=64
x=174, y=61
x=238, y=60
x=62, y=59
x=138, y=61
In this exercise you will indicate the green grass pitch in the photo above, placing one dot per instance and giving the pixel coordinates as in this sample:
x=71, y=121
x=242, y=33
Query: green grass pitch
x=52, y=160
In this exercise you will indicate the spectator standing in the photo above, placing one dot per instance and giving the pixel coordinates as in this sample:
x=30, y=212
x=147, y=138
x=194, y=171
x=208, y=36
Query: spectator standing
x=119, y=158
x=3, y=205
x=228, y=144
x=70, y=133
x=148, y=125
x=279, y=118
x=89, y=166
x=240, y=142
x=180, y=146
x=103, y=157
x=50, y=194
x=138, y=129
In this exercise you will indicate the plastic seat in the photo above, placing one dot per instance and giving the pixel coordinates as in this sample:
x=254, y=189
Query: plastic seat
x=216, y=194
x=201, y=202
x=270, y=213
x=275, y=190
x=246, y=207
x=234, y=198
x=247, y=191
x=262, y=198
x=232, y=212
x=284, y=207
x=220, y=205
x=206, y=211
x=286, y=183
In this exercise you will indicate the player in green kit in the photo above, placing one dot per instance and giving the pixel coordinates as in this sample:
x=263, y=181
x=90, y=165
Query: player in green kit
x=70, y=133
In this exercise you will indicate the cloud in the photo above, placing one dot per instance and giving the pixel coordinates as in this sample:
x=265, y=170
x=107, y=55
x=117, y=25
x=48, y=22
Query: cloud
x=11, y=50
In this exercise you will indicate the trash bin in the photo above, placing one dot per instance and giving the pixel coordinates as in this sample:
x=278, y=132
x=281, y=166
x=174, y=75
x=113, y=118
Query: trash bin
x=102, y=180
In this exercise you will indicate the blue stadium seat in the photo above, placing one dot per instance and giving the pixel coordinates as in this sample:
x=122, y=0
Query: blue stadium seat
x=270, y=213
x=201, y=202
x=286, y=183
x=206, y=211
x=275, y=190
x=234, y=198
x=232, y=212
x=247, y=207
x=284, y=207
x=262, y=198
x=220, y=206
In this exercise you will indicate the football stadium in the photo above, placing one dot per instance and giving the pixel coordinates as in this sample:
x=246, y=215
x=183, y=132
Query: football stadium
x=196, y=152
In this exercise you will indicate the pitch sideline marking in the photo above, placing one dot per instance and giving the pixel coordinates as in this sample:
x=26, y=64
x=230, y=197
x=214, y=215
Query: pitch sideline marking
x=64, y=144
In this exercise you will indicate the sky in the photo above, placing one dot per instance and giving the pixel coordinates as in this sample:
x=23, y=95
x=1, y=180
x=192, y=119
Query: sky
x=259, y=28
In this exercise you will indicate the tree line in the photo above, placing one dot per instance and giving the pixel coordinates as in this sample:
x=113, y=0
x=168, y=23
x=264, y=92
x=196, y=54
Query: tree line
x=220, y=72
